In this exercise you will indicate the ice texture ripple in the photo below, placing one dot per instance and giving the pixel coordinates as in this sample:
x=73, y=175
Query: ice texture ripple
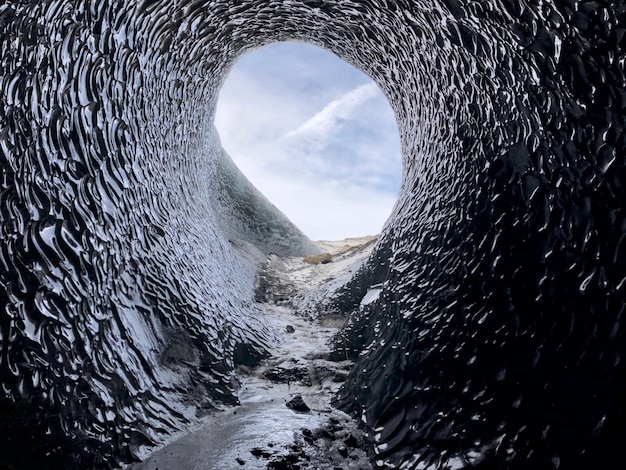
x=497, y=337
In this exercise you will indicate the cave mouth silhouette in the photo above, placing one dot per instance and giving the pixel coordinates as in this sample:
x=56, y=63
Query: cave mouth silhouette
x=315, y=135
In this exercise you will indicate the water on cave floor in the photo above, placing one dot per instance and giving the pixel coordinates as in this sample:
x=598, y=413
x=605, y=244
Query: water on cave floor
x=263, y=432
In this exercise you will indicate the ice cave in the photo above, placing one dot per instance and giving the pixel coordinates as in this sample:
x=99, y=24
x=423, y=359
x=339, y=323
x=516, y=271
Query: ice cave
x=484, y=328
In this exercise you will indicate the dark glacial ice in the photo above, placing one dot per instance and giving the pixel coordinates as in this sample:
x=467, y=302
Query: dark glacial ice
x=129, y=241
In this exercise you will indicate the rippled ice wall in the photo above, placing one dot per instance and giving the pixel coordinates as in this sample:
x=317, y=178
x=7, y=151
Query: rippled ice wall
x=497, y=336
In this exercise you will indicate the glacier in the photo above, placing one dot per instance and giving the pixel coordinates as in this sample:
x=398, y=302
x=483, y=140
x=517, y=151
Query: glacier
x=130, y=242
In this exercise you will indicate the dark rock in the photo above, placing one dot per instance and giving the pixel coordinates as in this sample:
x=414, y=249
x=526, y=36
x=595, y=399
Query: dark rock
x=287, y=376
x=339, y=377
x=325, y=434
x=287, y=462
x=290, y=329
x=351, y=441
x=298, y=404
x=258, y=452
x=247, y=355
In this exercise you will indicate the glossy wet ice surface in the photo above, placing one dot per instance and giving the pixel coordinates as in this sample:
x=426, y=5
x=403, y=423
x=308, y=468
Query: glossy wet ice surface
x=497, y=337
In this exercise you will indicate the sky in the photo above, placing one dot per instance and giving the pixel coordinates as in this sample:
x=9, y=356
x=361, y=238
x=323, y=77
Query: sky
x=315, y=135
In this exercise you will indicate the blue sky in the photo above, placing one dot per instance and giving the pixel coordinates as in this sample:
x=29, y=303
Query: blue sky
x=315, y=135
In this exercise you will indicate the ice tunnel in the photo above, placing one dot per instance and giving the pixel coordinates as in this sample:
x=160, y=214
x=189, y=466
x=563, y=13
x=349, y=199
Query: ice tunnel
x=125, y=298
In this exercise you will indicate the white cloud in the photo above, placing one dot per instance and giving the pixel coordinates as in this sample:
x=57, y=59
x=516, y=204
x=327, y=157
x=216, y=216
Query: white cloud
x=335, y=112
x=315, y=135
x=326, y=211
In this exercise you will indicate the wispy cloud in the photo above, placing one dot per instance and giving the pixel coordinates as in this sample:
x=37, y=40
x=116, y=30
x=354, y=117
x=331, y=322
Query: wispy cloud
x=335, y=112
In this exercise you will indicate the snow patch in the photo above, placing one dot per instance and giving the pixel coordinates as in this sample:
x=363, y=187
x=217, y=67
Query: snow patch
x=372, y=295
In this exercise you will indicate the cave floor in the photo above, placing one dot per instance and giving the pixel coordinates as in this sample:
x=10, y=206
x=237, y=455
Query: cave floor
x=272, y=428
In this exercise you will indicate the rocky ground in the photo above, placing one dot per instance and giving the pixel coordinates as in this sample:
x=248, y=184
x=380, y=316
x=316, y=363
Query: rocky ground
x=285, y=420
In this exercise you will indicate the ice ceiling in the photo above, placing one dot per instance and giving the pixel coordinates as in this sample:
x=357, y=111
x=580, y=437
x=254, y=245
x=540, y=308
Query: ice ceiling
x=497, y=339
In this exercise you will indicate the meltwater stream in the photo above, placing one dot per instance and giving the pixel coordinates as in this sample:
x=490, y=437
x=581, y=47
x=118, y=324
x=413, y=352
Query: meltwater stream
x=130, y=244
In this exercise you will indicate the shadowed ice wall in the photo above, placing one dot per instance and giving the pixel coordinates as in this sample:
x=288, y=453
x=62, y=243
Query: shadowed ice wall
x=497, y=339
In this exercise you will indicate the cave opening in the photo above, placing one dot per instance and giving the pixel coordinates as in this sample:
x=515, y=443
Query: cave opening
x=315, y=135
